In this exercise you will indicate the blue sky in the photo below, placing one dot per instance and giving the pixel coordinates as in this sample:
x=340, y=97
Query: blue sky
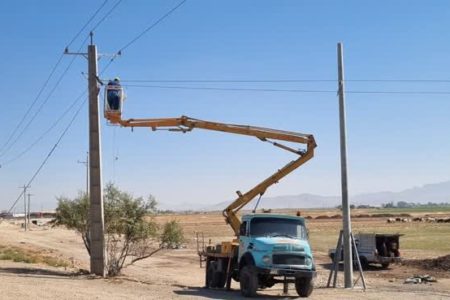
x=395, y=141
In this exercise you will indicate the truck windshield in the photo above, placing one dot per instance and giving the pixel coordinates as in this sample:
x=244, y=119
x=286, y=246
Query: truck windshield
x=277, y=227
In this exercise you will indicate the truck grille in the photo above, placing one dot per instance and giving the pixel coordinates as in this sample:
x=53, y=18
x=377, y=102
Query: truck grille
x=288, y=259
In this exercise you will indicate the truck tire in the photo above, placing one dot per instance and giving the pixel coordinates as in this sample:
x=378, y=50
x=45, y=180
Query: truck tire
x=210, y=275
x=249, y=281
x=214, y=277
x=364, y=262
x=304, y=287
x=219, y=278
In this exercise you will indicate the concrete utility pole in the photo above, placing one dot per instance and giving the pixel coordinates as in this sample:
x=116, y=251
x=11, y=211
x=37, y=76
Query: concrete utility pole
x=24, y=187
x=96, y=218
x=346, y=222
x=29, y=208
x=93, y=161
x=86, y=163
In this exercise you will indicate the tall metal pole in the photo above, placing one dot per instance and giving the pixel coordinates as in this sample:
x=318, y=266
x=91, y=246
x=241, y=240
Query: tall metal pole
x=96, y=229
x=29, y=208
x=87, y=173
x=86, y=164
x=346, y=222
x=25, y=226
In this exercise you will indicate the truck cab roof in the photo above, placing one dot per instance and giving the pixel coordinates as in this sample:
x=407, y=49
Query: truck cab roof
x=250, y=216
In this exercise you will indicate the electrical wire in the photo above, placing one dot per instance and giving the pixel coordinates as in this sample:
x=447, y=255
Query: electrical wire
x=227, y=89
x=87, y=23
x=226, y=80
x=288, y=90
x=41, y=137
x=151, y=26
x=147, y=29
x=41, y=90
x=105, y=16
x=50, y=153
x=401, y=92
x=279, y=80
x=47, y=80
x=107, y=65
x=36, y=113
x=401, y=80
x=70, y=107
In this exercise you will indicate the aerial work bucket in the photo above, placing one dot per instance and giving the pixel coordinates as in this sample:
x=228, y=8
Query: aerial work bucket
x=114, y=97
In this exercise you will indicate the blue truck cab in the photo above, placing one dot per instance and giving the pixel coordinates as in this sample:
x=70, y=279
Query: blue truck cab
x=274, y=248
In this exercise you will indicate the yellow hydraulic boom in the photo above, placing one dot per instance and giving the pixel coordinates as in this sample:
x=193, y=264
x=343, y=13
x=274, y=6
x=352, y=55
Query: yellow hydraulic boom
x=185, y=124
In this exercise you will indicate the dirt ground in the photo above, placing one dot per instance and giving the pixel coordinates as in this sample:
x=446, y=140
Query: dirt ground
x=175, y=274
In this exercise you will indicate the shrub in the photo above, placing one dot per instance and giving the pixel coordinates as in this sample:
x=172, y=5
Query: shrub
x=131, y=234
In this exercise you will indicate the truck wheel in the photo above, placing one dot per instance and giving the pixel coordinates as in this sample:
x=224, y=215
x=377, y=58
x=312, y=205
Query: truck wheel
x=385, y=265
x=210, y=275
x=214, y=277
x=219, y=278
x=304, y=286
x=249, y=281
x=364, y=262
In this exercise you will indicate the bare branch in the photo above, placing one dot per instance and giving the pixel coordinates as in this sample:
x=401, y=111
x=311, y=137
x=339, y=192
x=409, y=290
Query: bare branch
x=145, y=256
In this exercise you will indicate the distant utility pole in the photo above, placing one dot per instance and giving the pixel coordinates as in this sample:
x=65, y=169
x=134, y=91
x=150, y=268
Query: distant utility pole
x=346, y=222
x=86, y=163
x=24, y=187
x=29, y=208
x=96, y=217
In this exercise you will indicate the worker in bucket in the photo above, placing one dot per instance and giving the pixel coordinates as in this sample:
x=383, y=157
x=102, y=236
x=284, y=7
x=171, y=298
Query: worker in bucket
x=114, y=94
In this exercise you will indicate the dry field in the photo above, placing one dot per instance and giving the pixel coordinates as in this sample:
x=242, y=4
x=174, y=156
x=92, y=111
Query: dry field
x=176, y=273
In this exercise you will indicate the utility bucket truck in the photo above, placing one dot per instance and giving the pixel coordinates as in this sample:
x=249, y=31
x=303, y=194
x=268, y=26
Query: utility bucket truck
x=268, y=248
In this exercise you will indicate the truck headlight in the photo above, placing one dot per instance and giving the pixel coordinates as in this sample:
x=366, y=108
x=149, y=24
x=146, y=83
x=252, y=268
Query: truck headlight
x=266, y=259
x=308, y=261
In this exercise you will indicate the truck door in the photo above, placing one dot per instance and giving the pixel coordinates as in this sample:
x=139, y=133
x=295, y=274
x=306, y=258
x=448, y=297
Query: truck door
x=243, y=239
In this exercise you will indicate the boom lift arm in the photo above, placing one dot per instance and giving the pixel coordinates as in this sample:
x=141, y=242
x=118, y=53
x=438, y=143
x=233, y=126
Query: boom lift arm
x=185, y=124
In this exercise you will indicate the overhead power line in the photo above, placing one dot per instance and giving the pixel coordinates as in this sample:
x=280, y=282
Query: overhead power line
x=69, y=108
x=41, y=90
x=152, y=26
x=287, y=90
x=47, y=80
x=401, y=92
x=228, y=89
x=87, y=23
x=279, y=80
x=45, y=133
x=147, y=29
x=39, y=109
x=106, y=15
x=50, y=153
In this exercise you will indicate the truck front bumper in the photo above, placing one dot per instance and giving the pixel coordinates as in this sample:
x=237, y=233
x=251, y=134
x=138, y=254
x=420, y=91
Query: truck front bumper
x=297, y=273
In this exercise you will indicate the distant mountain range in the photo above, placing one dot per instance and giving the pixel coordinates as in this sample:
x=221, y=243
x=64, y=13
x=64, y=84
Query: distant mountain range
x=436, y=193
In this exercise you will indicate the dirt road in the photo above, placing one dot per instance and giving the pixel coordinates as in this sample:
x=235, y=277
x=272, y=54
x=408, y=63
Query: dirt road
x=171, y=274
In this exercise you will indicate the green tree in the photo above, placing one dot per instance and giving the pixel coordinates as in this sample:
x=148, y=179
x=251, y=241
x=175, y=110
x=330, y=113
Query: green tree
x=131, y=234
x=73, y=214
x=172, y=235
x=388, y=205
